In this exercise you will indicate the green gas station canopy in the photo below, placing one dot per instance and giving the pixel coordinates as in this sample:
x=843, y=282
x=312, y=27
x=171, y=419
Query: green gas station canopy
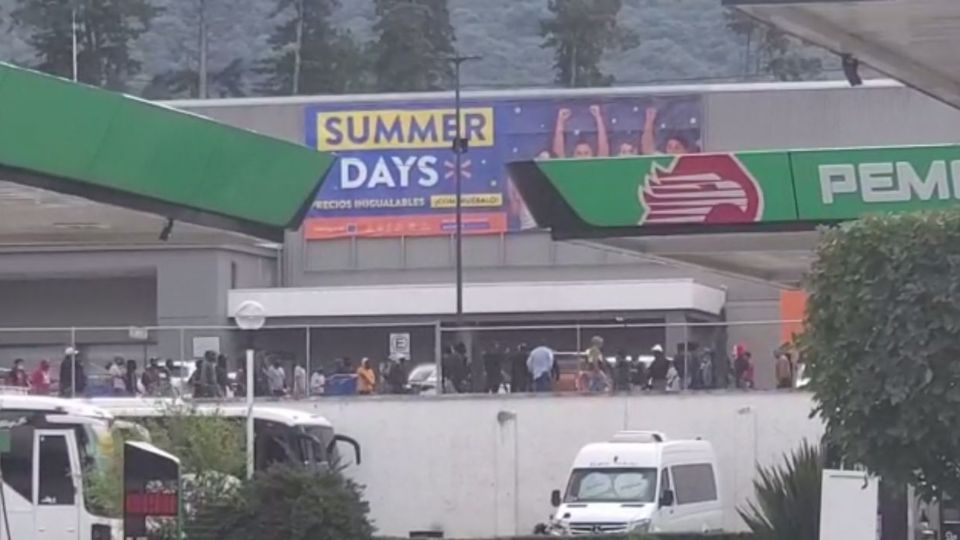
x=776, y=191
x=77, y=140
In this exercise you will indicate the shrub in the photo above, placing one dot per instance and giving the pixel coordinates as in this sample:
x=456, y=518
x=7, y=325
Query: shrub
x=292, y=503
x=787, y=505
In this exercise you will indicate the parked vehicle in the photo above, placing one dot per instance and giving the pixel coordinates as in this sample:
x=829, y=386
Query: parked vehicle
x=54, y=445
x=282, y=435
x=640, y=482
x=423, y=379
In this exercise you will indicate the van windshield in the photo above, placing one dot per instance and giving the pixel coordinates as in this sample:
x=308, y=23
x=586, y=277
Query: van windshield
x=612, y=485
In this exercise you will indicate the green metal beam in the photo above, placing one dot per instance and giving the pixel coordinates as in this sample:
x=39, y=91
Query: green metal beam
x=116, y=149
x=735, y=192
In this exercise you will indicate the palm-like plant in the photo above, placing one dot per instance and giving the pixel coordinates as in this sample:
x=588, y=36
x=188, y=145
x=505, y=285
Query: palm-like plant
x=787, y=505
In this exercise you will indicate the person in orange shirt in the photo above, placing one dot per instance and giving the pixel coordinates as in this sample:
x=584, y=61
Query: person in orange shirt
x=366, y=378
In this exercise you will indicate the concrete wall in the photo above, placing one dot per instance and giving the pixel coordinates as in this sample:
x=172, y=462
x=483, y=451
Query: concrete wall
x=483, y=467
x=120, y=287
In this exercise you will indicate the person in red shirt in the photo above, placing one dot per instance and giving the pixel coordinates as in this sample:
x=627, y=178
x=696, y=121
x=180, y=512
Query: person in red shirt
x=18, y=376
x=40, y=378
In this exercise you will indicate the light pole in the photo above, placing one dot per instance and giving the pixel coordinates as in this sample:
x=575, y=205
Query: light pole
x=250, y=316
x=460, y=147
x=73, y=40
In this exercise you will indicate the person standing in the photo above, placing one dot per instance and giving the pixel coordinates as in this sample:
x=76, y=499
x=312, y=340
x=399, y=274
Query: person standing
x=366, y=378
x=318, y=383
x=519, y=376
x=784, y=370
x=659, y=368
x=18, y=375
x=40, y=378
x=73, y=376
x=492, y=362
x=397, y=378
x=453, y=368
x=299, y=382
x=117, y=376
x=276, y=379
x=595, y=353
x=673, y=377
x=208, y=375
x=221, y=375
x=149, y=378
x=130, y=380
x=680, y=360
x=621, y=379
x=540, y=366
x=741, y=366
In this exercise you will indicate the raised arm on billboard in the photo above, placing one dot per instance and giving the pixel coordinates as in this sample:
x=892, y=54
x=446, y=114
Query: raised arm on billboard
x=648, y=140
x=603, y=143
x=559, y=149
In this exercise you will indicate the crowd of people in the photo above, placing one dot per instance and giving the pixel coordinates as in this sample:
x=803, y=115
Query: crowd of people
x=526, y=369
x=517, y=369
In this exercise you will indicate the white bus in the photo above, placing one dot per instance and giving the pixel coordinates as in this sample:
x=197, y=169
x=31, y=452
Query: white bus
x=281, y=435
x=54, y=443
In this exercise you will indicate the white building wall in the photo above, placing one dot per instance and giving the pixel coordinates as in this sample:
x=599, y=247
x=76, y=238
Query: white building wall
x=485, y=466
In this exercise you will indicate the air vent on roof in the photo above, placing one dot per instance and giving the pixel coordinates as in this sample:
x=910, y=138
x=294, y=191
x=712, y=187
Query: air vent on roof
x=639, y=436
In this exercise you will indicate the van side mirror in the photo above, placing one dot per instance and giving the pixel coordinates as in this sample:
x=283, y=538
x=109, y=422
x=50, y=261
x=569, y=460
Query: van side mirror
x=666, y=498
x=555, y=498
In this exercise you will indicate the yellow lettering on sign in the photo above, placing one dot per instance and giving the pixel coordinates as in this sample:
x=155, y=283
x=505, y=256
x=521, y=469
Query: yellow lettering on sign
x=473, y=200
x=402, y=129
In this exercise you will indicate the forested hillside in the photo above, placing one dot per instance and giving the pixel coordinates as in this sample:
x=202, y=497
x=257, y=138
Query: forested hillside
x=252, y=45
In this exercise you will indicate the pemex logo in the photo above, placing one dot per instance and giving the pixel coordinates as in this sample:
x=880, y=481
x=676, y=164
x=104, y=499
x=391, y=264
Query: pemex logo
x=700, y=188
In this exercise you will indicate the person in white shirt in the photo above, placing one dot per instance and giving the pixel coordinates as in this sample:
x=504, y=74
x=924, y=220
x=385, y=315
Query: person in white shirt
x=317, y=383
x=117, y=382
x=299, y=382
x=540, y=366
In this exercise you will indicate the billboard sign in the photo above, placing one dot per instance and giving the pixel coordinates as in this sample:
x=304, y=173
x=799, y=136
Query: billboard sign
x=395, y=175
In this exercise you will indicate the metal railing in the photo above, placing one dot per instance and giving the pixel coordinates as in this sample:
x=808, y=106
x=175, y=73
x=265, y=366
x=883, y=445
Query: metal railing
x=335, y=351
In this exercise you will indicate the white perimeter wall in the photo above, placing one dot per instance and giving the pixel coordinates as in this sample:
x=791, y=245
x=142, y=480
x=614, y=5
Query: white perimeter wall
x=485, y=466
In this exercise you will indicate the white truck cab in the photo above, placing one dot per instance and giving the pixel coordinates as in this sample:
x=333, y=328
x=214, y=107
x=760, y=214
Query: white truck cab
x=640, y=482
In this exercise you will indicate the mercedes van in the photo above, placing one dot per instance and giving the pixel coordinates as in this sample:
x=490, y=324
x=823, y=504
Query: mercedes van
x=640, y=482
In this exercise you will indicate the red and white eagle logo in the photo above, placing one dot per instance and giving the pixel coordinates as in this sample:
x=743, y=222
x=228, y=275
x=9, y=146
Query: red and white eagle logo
x=701, y=188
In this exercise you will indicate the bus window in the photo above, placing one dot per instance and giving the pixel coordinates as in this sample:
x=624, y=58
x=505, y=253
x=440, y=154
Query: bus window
x=55, y=485
x=17, y=465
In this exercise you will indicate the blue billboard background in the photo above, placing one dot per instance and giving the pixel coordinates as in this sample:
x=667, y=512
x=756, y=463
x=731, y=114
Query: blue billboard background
x=395, y=175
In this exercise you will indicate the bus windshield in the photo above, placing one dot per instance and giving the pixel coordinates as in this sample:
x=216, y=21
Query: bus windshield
x=316, y=450
x=98, y=450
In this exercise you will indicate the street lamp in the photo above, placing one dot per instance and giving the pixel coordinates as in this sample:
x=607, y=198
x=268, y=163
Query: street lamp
x=250, y=316
x=460, y=147
x=73, y=41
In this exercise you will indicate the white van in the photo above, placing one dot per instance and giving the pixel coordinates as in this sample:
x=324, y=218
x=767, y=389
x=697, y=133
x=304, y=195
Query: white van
x=640, y=482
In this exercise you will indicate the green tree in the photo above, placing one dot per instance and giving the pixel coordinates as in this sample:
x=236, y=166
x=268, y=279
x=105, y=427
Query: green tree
x=294, y=503
x=211, y=452
x=787, y=498
x=185, y=83
x=881, y=342
x=309, y=55
x=580, y=32
x=769, y=52
x=204, y=41
x=105, y=32
x=414, y=41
